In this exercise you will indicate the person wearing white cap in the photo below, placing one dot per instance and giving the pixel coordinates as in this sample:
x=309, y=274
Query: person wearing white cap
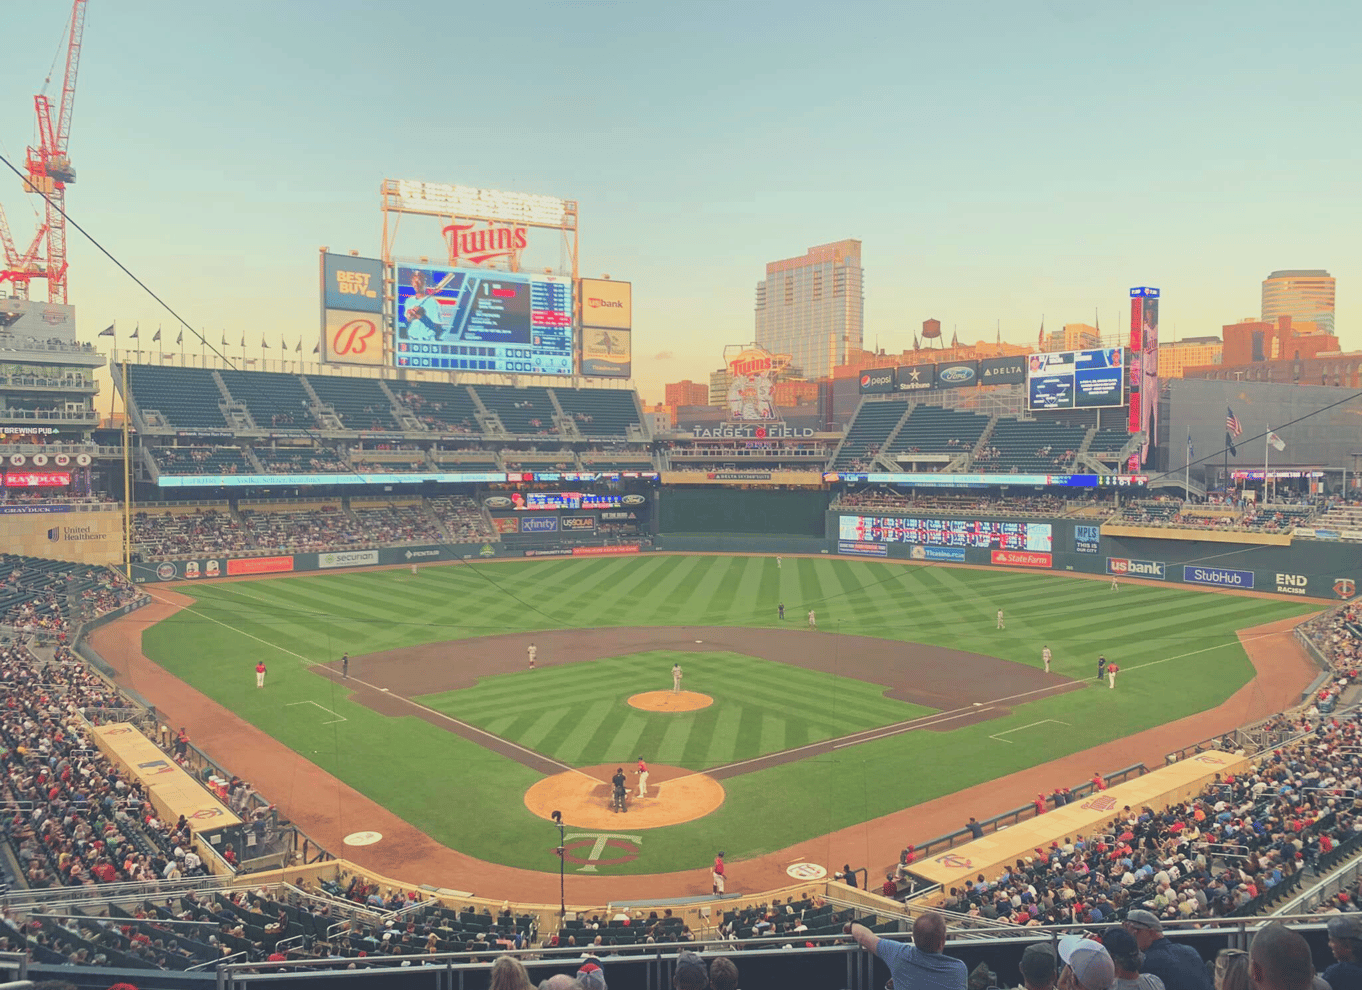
x=1087, y=965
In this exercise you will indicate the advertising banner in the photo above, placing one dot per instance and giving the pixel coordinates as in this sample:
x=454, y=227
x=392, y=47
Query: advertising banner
x=506, y=524
x=607, y=304
x=353, y=558
x=1002, y=371
x=752, y=375
x=37, y=479
x=79, y=537
x=259, y=565
x=1144, y=363
x=915, y=378
x=957, y=374
x=579, y=523
x=349, y=337
x=1021, y=558
x=877, y=380
x=541, y=524
x=1087, y=539
x=386, y=478
x=1124, y=567
x=607, y=353
x=1218, y=576
x=555, y=552
x=1292, y=584
x=604, y=551
x=350, y=283
x=863, y=549
x=952, y=555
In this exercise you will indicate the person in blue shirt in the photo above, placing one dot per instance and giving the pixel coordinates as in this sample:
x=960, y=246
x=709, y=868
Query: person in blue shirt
x=1177, y=965
x=1345, y=942
x=922, y=965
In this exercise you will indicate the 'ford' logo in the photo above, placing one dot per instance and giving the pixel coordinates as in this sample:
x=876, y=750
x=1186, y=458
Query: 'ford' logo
x=497, y=502
x=633, y=500
x=957, y=374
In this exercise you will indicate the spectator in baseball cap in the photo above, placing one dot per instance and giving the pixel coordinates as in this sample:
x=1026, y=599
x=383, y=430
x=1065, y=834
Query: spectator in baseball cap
x=691, y=973
x=1038, y=968
x=591, y=976
x=1345, y=942
x=1178, y=966
x=1087, y=964
x=1127, y=958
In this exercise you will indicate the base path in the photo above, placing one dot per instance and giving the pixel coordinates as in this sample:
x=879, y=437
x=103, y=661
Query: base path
x=675, y=795
x=329, y=810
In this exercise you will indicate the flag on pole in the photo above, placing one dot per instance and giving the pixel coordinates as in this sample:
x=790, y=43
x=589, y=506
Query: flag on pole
x=955, y=340
x=1040, y=340
x=316, y=348
x=283, y=344
x=135, y=331
x=917, y=345
x=107, y=331
x=299, y=348
x=179, y=338
x=1232, y=426
x=1189, y=443
x=264, y=345
x=1277, y=442
x=243, y=340
x=224, y=340
x=156, y=336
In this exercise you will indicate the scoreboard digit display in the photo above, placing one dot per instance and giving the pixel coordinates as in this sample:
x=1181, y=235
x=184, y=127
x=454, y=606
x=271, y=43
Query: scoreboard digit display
x=984, y=534
x=552, y=501
x=471, y=319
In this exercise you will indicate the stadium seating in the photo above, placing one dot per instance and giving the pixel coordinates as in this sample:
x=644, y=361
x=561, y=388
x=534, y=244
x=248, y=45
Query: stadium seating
x=394, y=524
x=867, y=434
x=202, y=532
x=360, y=403
x=471, y=457
x=599, y=412
x=934, y=430
x=274, y=399
x=300, y=460
x=1339, y=517
x=1035, y=446
x=302, y=530
x=523, y=411
x=1108, y=441
x=442, y=407
x=462, y=518
x=202, y=460
x=188, y=398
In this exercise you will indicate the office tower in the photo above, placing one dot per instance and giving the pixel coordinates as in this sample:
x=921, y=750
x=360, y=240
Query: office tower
x=1305, y=295
x=812, y=308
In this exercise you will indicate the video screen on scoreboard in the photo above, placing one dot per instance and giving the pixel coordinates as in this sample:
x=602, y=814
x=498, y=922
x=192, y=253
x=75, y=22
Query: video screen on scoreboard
x=471, y=319
x=986, y=534
x=1076, y=379
x=553, y=501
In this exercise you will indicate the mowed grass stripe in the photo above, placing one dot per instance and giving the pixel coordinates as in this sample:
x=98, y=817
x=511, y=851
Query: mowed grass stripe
x=576, y=742
x=672, y=748
x=723, y=735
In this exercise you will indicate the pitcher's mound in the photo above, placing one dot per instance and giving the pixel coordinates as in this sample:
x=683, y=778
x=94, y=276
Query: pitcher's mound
x=667, y=701
x=675, y=795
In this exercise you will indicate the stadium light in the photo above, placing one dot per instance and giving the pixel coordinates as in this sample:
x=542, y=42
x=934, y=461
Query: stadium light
x=562, y=867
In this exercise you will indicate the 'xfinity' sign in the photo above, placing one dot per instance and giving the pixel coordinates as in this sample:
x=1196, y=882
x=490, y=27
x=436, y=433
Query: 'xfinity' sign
x=1218, y=576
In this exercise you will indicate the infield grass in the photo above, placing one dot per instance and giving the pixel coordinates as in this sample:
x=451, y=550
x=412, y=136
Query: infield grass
x=1177, y=649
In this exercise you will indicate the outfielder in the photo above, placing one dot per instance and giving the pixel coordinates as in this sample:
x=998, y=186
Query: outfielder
x=813, y=620
x=1114, y=585
x=1045, y=655
x=1000, y=619
x=260, y=674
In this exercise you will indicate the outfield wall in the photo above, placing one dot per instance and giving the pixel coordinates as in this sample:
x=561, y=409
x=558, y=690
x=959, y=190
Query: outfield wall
x=742, y=512
x=1316, y=569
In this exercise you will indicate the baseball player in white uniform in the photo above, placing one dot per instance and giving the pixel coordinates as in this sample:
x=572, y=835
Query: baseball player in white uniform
x=676, y=678
x=1000, y=619
x=1045, y=655
x=813, y=620
x=533, y=651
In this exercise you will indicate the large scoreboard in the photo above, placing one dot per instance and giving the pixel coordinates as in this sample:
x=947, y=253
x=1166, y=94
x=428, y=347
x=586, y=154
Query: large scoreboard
x=472, y=319
x=987, y=534
x=1076, y=379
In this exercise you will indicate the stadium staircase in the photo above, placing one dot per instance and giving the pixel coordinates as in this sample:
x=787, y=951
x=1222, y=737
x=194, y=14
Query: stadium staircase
x=489, y=421
x=325, y=413
x=883, y=457
x=984, y=438
x=405, y=417
x=236, y=414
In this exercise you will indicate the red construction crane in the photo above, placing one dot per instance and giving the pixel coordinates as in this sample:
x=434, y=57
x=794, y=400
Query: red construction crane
x=49, y=172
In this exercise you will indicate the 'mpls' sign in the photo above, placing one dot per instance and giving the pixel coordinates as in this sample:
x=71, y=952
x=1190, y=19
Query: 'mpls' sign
x=1219, y=576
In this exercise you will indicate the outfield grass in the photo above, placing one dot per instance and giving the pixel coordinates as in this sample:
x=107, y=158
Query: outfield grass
x=1176, y=647
x=578, y=714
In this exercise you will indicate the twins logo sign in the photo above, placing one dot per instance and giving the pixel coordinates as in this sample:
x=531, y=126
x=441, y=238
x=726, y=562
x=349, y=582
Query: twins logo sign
x=624, y=847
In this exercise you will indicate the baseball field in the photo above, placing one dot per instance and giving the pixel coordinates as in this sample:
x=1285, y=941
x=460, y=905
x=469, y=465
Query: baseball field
x=907, y=691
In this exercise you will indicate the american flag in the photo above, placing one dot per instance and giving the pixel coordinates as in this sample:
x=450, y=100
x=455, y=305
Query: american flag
x=1232, y=423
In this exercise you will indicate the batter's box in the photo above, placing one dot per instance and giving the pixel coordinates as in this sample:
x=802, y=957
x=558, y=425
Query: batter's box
x=1007, y=732
x=336, y=717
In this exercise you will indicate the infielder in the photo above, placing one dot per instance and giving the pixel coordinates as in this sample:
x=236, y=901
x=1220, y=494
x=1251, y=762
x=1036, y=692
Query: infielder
x=777, y=563
x=345, y=666
x=813, y=621
x=1045, y=655
x=1000, y=619
x=260, y=674
x=642, y=778
x=533, y=651
x=676, y=678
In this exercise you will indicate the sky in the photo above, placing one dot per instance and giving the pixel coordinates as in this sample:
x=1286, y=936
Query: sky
x=1001, y=162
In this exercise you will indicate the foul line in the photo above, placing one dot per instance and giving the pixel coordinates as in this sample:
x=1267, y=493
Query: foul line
x=1007, y=732
x=339, y=717
x=1237, y=642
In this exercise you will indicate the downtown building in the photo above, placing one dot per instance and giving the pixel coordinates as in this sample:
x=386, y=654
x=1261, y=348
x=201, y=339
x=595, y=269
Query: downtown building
x=1305, y=295
x=812, y=308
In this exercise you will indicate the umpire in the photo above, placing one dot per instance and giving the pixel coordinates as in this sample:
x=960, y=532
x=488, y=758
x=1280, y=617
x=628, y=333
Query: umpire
x=618, y=781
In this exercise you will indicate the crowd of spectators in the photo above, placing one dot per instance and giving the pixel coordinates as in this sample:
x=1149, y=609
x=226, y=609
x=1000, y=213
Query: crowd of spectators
x=203, y=532
x=432, y=415
x=462, y=518
x=387, y=523
x=300, y=460
x=1167, y=513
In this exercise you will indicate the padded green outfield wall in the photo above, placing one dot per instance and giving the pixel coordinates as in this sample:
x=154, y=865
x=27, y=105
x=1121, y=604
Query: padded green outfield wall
x=742, y=511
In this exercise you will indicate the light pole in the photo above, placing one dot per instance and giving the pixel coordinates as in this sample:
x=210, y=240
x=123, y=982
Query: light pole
x=562, y=864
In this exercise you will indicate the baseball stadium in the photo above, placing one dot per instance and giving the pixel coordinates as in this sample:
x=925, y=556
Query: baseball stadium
x=421, y=649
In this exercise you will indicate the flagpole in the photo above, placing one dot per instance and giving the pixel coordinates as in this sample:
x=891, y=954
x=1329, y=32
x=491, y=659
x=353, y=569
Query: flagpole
x=1267, y=451
x=1187, y=480
x=127, y=482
